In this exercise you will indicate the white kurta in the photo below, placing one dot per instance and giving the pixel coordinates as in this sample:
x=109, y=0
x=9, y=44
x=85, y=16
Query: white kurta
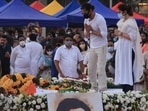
x=20, y=60
x=123, y=63
x=36, y=50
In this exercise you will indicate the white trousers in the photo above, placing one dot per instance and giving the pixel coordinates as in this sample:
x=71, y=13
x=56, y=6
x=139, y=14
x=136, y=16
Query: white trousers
x=96, y=68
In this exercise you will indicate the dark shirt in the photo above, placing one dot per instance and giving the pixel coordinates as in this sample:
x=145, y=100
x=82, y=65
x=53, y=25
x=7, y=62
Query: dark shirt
x=5, y=61
x=54, y=72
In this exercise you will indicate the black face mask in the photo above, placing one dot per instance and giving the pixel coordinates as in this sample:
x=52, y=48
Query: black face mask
x=86, y=15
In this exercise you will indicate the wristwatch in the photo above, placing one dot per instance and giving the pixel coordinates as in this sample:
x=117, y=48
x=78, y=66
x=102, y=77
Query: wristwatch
x=90, y=31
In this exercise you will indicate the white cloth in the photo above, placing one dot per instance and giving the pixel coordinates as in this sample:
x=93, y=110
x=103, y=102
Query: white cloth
x=20, y=60
x=68, y=60
x=123, y=63
x=36, y=50
x=96, y=68
x=98, y=24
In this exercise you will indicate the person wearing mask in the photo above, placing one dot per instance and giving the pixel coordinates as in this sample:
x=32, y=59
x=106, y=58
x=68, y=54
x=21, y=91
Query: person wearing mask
x=44, y=63
x=67, y=58
x=129, y=60
x=5, y=51
x=95, y=29
x=110, y=65
x=36, y=50
x=20, y=57
x=83, y=46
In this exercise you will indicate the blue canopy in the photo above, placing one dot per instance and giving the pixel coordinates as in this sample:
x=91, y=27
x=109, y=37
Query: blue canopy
x=17, y=13
x=2, y=3
x=109, y=15
x=69, y=8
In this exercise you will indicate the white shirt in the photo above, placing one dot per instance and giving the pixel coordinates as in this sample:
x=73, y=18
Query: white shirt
x=68, y=60
x=36, y=50
x=98, y=23
x=20, y=60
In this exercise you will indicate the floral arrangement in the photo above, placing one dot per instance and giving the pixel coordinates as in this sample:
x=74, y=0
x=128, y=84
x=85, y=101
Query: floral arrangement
x=23, y=103
x=16, y=84
x=26, y=84
x=70, y=85
x=130, y=101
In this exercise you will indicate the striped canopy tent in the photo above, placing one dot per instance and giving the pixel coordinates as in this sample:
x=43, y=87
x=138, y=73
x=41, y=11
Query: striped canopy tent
x=37, y=5
x=2, y=3
x=52, y=8
x=135, y=15
x=68, y=8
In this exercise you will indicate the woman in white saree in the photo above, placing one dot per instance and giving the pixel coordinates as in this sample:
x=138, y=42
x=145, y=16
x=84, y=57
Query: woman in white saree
x=129, y=60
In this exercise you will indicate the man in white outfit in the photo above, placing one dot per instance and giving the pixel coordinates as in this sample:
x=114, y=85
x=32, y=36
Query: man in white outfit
x=95, y=29
x=67, y=58
x=36, y=50
x=20, y=57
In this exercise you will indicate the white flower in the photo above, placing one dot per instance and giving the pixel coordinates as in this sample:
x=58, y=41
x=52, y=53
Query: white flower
x=143, y=99
x=24, y=104
x=2, y=96
x=43, y=105
x=34, y=102
x=39, y=100
x=38, y=107
x=1, y=103
x=29, y=102
x=6, y=107
x=31, y=109
x=107, y=107
x=54, y=78
x=9, y=101
x=21, y=96
x=14, y=107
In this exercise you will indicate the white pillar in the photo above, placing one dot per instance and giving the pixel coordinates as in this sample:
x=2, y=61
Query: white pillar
x=43, y=33
x=110, y=3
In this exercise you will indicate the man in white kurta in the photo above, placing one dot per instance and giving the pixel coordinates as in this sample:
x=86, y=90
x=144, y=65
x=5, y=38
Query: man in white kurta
x=36, y=50
x=20, y=59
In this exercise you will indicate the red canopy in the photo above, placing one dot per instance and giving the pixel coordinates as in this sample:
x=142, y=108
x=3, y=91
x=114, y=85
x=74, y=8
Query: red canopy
x=37, y=5
x=135, y=15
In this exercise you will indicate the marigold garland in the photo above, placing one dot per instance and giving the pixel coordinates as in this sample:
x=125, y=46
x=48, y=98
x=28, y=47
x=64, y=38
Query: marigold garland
x=17, y=83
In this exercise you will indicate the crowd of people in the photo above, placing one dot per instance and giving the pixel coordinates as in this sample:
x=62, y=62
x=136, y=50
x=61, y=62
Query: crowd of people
x=95, y=52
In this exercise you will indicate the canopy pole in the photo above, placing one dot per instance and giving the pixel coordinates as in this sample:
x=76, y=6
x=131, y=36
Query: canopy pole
x=110, y=3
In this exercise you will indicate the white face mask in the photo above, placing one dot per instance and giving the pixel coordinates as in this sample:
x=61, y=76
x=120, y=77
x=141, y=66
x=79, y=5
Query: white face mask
x=68, y=32
x=120, y=15
x=22, y=43
x=49, y=52
x=110, y=49
x=69, y=43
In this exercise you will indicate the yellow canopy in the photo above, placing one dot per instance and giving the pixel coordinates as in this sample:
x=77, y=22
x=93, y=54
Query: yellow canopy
x=52, y=8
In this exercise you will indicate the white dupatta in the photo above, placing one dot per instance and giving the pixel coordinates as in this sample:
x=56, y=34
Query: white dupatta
x=139, y=61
